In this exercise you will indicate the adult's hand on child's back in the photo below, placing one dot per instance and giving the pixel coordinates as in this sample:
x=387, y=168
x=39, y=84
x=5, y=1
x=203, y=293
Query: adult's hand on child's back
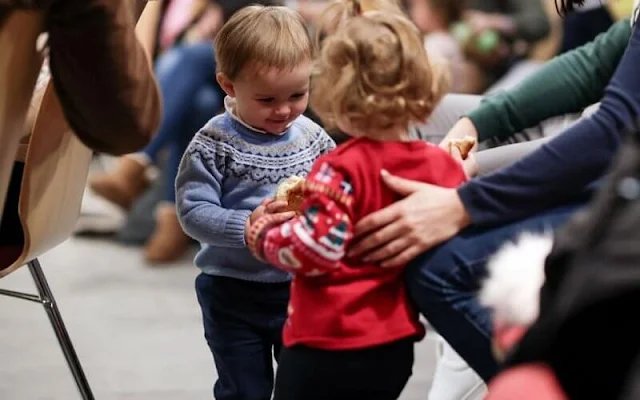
x=428, y=216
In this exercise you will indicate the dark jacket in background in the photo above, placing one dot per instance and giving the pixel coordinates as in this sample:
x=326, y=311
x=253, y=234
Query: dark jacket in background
x=529, y=16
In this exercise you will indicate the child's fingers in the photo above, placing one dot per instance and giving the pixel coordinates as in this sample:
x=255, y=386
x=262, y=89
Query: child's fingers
x=284, y=216
x=280, y=218
x=275, y=206
x=257, y=213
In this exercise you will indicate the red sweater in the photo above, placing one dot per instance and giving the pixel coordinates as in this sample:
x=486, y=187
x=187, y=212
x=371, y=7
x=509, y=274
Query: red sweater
x=338, y=302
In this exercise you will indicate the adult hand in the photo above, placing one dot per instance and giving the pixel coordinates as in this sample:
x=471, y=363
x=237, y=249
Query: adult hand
x=428, y=216
x=469, y=164
x=464, y=127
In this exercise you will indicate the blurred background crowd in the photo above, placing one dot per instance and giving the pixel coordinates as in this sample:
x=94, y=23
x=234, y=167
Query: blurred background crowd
x=483, y=46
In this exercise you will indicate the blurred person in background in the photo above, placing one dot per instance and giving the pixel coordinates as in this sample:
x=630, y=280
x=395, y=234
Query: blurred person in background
x=505, y=32
x=185, y=70
x=435, y=19
x=586, y=22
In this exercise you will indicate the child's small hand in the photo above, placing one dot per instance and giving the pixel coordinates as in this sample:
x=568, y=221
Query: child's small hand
x=275, y=206
x=269, y=206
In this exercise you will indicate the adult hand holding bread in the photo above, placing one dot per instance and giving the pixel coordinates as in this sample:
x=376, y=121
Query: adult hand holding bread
x=463, y=145
x=461, y=142
x=460, y=149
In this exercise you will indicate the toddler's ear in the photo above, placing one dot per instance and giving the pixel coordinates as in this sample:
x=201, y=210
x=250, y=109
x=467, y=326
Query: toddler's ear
x=226, y=84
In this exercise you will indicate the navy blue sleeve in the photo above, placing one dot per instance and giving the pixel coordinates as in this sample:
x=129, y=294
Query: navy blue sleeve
x=566, y=165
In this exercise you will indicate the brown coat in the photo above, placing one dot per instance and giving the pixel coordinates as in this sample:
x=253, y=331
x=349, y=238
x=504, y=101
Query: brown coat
x=100, y=71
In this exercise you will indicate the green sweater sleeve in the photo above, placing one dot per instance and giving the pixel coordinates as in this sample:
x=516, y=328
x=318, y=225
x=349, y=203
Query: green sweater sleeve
x=567, y=84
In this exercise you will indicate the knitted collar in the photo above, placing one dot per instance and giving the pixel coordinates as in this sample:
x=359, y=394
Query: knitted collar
x=230, y=107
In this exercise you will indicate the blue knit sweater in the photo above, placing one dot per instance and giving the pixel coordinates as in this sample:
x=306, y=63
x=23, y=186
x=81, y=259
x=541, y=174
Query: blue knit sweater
x=226, y=172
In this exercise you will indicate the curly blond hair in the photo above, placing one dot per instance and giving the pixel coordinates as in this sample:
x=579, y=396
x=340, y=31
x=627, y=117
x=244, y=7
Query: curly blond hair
x=337, y=12
x=373, y=73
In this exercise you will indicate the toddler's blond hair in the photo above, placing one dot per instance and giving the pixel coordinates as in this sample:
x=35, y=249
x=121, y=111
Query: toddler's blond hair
x=268, y=36
x=373, y=73
x=338, y=12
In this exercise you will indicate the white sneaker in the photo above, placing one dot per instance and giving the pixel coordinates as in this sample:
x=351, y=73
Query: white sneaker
x=453, y=378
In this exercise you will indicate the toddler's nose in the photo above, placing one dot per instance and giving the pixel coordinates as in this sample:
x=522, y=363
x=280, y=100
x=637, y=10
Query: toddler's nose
x=283, y=111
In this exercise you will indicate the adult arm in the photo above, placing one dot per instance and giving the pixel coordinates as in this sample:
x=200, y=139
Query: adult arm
x=102, y=75
x=547, y=177
x=567, y=84
x=147, y=26
x=563, y=167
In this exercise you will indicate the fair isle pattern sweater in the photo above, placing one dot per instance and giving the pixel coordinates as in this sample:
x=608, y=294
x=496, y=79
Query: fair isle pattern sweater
x=227, y=170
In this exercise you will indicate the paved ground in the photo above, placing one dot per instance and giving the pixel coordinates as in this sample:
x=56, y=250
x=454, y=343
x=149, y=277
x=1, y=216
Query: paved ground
x=137, y=330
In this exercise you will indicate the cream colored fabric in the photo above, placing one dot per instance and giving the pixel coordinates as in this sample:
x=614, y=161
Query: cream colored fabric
x=56, y=166
x=38, y=92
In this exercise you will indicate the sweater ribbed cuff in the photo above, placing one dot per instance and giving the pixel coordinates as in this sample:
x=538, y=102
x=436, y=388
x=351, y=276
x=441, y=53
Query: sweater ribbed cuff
x=256, y=235
x=234, y=228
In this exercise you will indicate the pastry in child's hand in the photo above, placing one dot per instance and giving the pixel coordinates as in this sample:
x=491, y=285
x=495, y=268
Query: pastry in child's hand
x=464, y=145
x=291, y=190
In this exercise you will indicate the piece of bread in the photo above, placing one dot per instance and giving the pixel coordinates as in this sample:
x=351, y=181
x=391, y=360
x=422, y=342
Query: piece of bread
x=291, y=190
x=464, y=145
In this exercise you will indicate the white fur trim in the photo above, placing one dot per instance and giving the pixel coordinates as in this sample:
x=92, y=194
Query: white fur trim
x=516, y=274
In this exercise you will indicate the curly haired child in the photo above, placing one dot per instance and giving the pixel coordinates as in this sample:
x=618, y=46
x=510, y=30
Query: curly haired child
x=351, y=330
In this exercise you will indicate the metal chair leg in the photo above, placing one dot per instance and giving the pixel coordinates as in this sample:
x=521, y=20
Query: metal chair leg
x=60, y=330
